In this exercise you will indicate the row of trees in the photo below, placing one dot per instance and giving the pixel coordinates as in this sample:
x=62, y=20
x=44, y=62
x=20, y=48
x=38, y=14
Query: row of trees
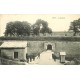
x=18, y=28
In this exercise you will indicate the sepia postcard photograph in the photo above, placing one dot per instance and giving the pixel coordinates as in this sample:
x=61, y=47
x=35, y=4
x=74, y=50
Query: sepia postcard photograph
x=39, y=39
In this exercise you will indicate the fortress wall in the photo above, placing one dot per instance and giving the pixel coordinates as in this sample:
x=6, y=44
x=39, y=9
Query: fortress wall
x=70, y=47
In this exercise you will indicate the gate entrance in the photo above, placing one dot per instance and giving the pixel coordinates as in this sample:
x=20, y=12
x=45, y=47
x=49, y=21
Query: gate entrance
x=49, y=47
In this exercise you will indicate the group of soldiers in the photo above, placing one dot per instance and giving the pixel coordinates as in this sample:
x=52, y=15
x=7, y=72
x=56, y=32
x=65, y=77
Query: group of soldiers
x=31, y=57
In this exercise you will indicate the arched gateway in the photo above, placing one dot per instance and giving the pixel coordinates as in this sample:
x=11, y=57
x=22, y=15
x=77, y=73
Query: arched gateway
x=49, y=46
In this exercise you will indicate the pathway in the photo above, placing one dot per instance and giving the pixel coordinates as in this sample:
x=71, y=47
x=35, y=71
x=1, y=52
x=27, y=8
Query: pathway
x=46, y=59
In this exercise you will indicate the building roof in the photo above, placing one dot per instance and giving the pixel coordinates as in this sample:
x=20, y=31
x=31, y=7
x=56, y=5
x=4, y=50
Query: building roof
x=62, y=53
x=14, y=44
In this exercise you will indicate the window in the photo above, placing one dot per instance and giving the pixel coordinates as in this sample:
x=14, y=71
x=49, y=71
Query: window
x=15, y=54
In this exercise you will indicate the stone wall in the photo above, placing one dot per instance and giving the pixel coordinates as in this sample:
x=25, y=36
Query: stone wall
x=70, y=47
x=35, y=47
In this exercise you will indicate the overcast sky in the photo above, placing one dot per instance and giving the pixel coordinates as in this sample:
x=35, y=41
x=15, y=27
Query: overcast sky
x=56, y=22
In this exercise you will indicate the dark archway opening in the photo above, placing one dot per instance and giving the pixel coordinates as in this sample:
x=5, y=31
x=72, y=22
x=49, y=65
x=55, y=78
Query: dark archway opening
x=49, y=47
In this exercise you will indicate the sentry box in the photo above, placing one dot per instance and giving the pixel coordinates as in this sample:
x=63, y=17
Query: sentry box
x=62, y=57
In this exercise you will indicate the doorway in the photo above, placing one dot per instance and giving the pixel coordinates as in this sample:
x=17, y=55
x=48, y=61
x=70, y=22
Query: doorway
x=49, y=47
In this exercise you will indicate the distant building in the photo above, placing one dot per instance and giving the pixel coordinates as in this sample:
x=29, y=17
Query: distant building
x=53, y=34
x=58, y=34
